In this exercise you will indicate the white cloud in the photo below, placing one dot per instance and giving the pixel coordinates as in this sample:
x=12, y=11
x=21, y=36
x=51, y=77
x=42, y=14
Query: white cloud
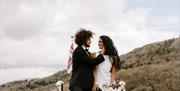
x=43, y=52
x=7, y=75
x=27, y=22
x=165, y=23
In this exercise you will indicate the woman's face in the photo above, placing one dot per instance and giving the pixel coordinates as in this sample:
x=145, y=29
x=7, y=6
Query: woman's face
x=100, y=44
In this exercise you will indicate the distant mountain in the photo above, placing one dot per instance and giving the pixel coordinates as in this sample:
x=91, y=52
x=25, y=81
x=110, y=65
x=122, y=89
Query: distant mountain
x=153, y=67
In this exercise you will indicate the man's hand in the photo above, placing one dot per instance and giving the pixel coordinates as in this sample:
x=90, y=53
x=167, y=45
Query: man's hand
x=103, y=51
x=93, y=55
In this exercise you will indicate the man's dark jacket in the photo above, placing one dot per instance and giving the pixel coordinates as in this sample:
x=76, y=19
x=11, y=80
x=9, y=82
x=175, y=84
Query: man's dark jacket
x=83, y=64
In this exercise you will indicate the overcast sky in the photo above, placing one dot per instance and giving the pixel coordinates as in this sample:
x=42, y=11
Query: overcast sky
x=35, y=34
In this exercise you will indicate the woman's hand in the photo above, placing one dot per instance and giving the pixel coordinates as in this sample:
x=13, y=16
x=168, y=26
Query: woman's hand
x=94, y=87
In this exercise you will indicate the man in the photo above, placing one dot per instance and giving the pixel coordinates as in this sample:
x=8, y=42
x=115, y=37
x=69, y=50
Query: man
x=82, y=78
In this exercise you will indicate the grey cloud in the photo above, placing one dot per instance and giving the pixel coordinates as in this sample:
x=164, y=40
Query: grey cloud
x=24, y=24
x=27, y=18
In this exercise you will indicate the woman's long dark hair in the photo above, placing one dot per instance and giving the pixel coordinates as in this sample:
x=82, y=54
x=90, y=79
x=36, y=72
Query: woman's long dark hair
x=111, y=51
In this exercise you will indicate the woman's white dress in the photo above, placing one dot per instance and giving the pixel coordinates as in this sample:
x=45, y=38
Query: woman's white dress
x=103, y=74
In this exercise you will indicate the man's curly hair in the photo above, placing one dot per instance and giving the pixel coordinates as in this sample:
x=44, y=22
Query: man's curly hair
x=82, y=35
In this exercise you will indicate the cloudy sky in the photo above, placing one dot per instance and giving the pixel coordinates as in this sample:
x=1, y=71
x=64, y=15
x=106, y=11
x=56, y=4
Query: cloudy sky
x=35, y=34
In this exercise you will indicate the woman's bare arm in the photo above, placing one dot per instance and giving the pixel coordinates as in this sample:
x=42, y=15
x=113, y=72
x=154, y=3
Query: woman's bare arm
x=94, y=73
x=113, y=74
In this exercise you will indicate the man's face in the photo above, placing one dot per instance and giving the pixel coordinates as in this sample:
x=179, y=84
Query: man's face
x=88, y=42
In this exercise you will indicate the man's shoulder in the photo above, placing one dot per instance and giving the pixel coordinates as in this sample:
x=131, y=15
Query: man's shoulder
x=78, y=49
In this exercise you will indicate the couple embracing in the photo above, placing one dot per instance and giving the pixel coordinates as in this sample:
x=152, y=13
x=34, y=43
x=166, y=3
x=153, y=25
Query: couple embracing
x=92, y=70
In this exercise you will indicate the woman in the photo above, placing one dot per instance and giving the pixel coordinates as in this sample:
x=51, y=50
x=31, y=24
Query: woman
x=105, y=72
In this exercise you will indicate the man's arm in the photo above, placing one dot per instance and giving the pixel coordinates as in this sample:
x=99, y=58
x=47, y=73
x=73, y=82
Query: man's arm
x=82, y=57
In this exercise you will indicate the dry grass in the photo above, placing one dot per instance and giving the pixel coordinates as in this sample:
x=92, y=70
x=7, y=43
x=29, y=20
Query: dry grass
x=157, y=77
